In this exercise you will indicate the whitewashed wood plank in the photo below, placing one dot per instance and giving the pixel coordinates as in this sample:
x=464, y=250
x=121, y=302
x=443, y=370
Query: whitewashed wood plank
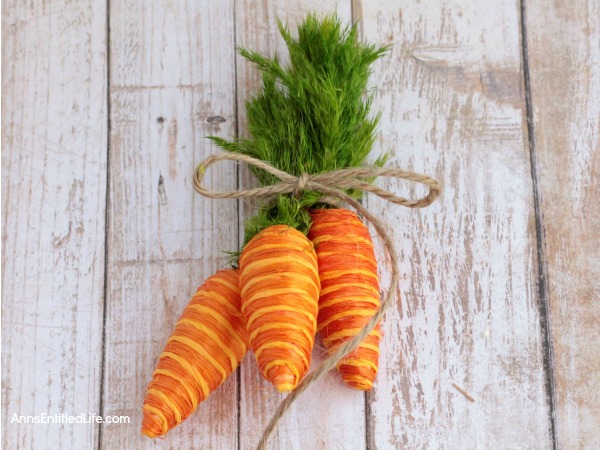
x=564, y=63
x=328, y=415
x=172, y=84
x=54, y=139
x=451, y=92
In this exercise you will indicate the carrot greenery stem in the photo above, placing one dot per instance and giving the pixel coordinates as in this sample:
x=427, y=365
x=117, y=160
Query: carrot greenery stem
x=312, y=115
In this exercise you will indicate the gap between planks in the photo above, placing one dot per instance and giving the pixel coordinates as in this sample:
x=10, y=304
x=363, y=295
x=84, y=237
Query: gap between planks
x=543, y=293
x=106, y=230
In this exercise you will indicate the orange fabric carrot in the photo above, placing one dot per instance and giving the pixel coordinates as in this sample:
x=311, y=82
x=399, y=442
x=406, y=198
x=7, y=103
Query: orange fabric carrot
x=349, y=290
x=206, y=346
x=279, y=283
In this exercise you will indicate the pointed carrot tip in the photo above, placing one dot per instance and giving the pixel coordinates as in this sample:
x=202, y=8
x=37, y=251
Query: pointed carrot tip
x=151, y=425
x=285, y=387
x=364, y=386
x=284, y=379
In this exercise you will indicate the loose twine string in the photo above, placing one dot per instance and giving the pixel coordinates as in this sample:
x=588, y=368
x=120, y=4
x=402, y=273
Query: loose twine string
x=333, y=185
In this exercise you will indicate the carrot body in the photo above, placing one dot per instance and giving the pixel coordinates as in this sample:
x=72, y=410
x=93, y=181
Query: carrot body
x=206, y=346
x=279, y=283
x=349, y=291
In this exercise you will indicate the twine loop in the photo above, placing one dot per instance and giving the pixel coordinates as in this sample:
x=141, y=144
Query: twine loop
x=333, y=185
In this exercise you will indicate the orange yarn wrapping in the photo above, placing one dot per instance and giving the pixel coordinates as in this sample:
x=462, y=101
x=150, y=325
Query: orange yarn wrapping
x=349, y=291
x=206, y=346
x=279, y=283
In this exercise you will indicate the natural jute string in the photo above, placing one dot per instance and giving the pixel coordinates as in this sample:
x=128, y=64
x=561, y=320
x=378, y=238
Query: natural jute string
x=333, y=185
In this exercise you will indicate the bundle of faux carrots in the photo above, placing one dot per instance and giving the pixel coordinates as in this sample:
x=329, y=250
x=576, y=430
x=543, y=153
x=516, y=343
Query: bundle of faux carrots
x=306, y=266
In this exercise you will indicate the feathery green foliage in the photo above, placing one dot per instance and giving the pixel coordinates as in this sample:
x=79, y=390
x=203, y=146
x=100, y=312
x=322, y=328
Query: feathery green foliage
x=312, y=115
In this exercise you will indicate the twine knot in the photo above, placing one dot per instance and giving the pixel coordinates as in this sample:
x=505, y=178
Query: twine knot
x=300, y=184
x=332, y=185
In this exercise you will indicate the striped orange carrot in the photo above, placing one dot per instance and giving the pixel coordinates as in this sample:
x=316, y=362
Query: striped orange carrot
x=206, y=346
x=349, y=290
x=279, y=284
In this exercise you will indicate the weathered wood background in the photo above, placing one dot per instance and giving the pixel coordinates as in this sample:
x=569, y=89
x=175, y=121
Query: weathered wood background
x=105, y=109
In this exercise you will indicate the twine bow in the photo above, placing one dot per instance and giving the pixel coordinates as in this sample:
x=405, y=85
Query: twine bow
x=332, y=184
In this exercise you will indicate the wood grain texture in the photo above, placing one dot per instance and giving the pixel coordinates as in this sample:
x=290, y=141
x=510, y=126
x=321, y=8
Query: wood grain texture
x=454, y=107
x=564, y=64
x=451, y=92
x=172, y=84
x=53, y=213
x=328, y=415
